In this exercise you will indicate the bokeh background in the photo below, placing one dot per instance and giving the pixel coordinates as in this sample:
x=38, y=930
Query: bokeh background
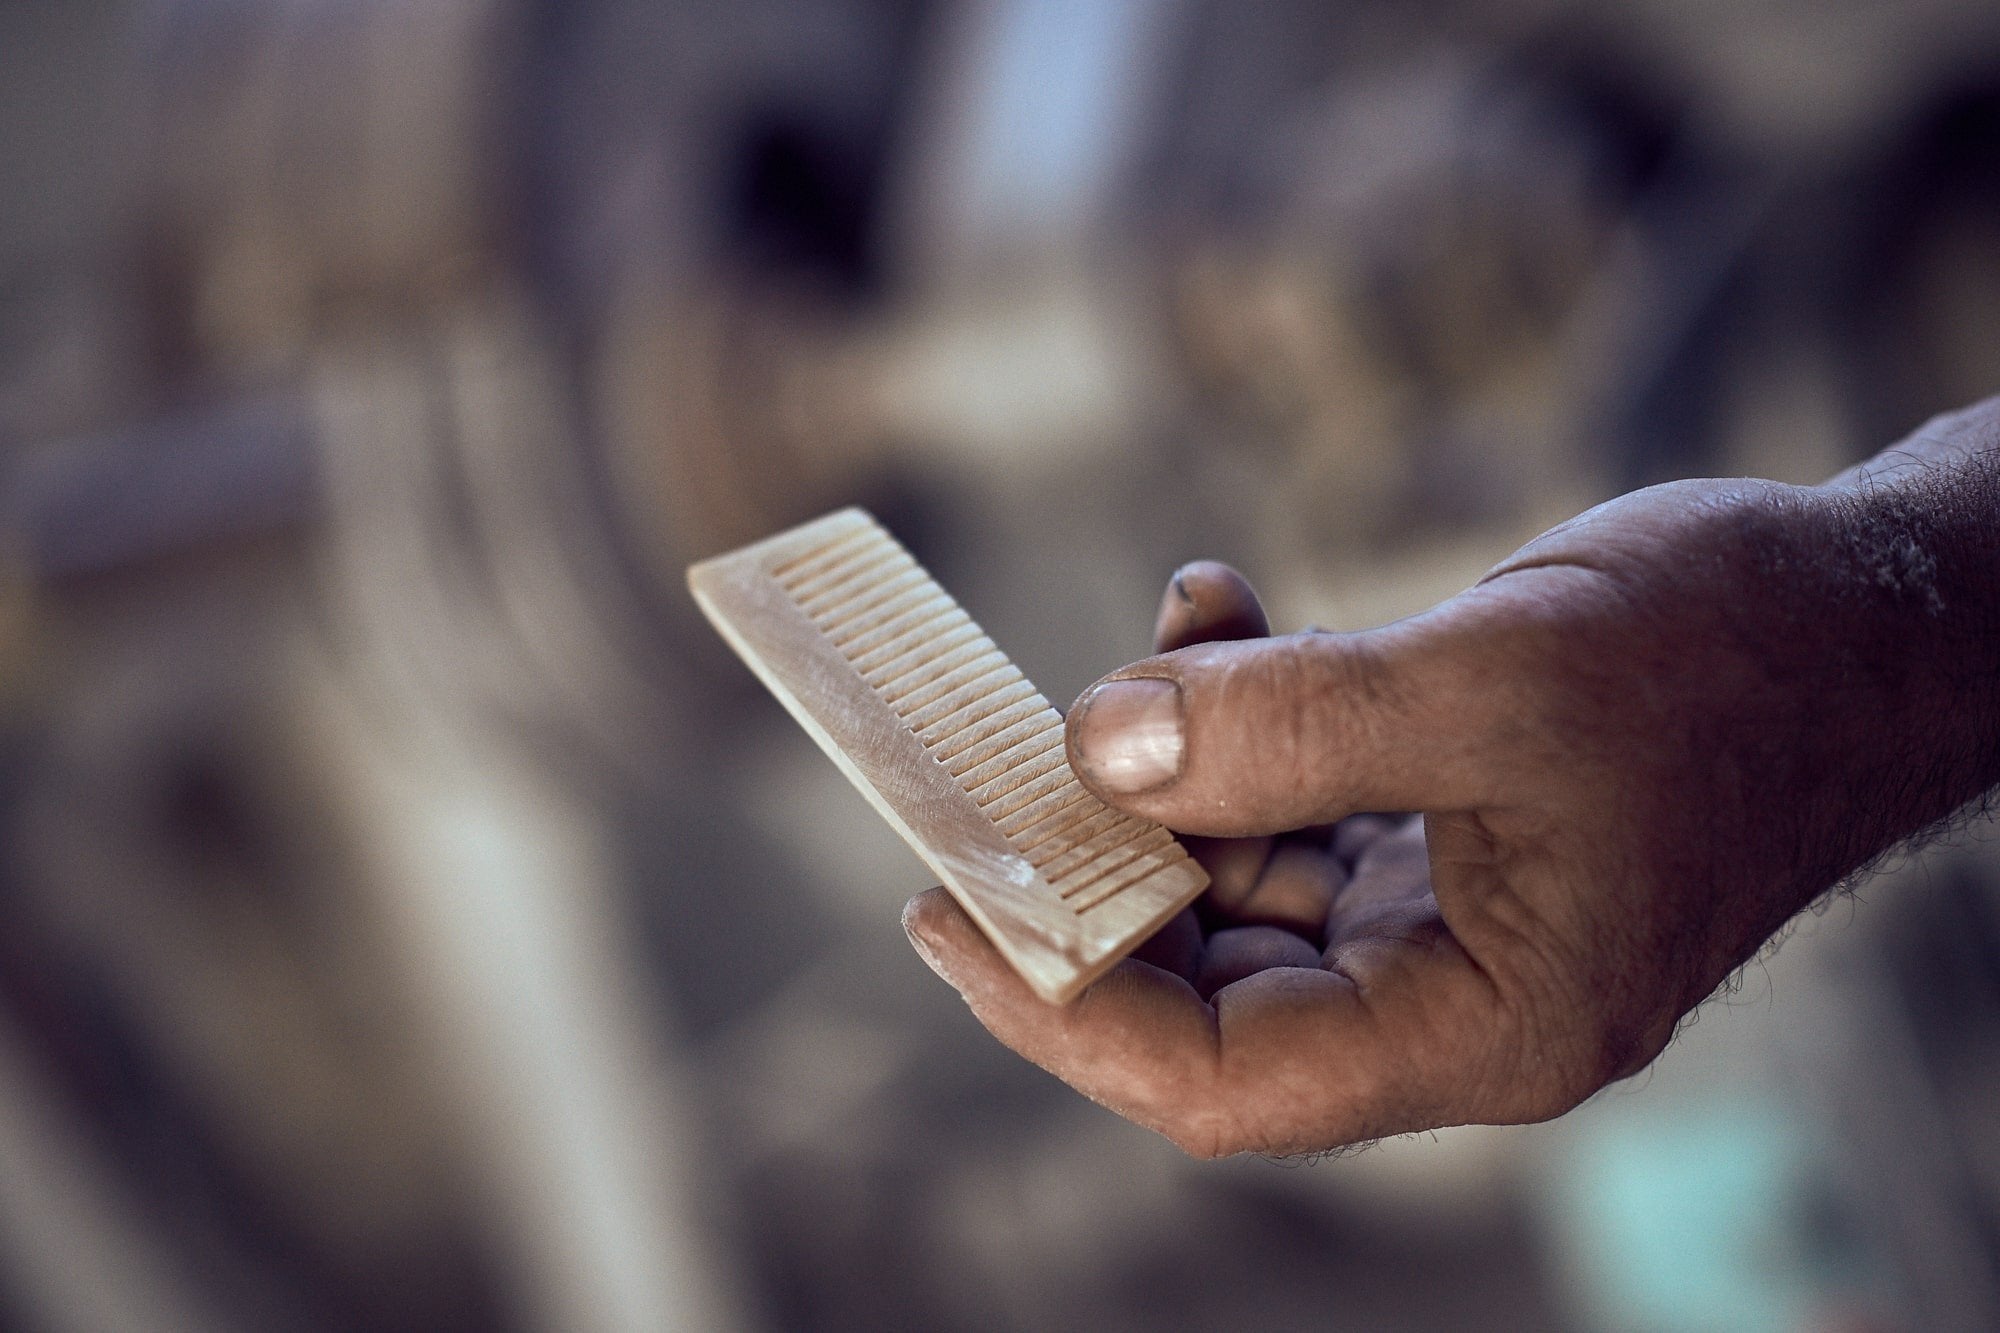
x=414, y=919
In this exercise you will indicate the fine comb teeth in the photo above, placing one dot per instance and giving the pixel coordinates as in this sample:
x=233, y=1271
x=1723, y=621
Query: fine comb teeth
x=950, y=742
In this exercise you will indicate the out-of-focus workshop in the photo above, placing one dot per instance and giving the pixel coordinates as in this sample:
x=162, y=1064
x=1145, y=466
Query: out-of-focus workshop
x=415, y=918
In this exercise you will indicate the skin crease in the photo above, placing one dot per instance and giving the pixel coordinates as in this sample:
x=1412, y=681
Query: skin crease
x=1640, y=745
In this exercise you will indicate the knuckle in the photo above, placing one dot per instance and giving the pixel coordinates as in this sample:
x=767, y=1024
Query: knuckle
x=1315, y=682
x=1205, y=1124
x=1286, y=686
x=1205, y=1137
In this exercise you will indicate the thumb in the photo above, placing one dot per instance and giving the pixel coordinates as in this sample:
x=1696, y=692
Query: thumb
x=1266, y=735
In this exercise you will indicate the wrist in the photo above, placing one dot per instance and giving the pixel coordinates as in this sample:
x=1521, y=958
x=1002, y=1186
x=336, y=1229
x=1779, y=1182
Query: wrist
x=1907, y=580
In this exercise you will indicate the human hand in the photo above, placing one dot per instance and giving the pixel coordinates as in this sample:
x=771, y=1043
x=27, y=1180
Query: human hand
x=1275, y=901
x=1641, y=744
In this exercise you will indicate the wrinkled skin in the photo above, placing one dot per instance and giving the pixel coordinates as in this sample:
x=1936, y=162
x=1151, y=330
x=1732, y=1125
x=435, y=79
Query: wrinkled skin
x=1640, y=745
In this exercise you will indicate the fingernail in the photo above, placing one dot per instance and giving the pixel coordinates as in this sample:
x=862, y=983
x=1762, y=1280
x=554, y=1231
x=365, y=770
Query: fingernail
x=1128, y=734
x=920, y=938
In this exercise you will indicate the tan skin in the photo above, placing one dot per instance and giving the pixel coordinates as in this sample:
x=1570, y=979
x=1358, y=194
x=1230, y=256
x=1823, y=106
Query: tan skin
x=1639, y=746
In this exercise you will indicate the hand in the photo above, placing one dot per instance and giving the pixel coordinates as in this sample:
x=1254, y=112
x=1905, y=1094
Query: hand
x=1641, y=744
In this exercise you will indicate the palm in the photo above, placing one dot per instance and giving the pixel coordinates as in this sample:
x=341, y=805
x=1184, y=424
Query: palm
x=1301, y=899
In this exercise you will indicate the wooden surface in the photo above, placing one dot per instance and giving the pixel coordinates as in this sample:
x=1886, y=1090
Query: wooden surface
x=950, y=742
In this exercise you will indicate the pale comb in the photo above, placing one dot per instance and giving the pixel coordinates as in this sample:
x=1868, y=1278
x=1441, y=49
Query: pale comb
x=950, y=742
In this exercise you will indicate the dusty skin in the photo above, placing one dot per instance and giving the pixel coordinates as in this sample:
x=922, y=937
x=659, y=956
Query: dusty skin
x=1640, y=745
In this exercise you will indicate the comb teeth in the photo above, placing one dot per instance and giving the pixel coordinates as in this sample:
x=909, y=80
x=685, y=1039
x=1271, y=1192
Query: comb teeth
x=950, y=742
x=978, y=716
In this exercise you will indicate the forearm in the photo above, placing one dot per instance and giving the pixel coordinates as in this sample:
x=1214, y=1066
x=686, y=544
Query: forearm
x=1951, y=438
x=1913, y=545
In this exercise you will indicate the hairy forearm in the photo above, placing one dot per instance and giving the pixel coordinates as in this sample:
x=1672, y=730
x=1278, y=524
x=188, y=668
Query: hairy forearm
x=1914, y=548
x=1954, y=438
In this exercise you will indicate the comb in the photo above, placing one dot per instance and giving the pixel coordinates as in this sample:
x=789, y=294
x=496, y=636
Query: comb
x=950, y=742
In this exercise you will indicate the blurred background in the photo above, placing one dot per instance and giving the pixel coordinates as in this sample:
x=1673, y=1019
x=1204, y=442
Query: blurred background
x=413, y=917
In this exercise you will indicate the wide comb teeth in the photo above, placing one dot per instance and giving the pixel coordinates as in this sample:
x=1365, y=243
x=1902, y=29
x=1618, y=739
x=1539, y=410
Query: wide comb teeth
x=952, y=744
